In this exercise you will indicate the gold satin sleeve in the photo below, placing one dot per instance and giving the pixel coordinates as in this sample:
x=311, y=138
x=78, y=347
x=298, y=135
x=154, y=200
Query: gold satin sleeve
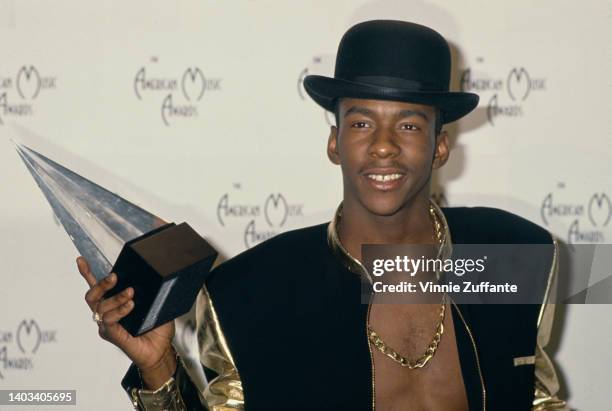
x=546, y=381
x=165, y=398
x=224, y=392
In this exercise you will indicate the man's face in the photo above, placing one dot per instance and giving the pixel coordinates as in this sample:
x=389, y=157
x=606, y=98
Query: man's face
x=387, y=151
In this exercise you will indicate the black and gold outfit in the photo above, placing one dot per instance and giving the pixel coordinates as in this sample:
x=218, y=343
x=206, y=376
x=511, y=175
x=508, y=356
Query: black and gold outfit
x=287, y=329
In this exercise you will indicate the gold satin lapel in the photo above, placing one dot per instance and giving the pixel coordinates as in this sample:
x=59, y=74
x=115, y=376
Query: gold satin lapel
x=224, y=392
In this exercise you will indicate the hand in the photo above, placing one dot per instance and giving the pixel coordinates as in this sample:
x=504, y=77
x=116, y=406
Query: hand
x=152, y=351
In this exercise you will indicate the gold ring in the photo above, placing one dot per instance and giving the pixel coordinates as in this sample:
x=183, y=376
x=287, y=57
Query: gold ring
x=97, y=318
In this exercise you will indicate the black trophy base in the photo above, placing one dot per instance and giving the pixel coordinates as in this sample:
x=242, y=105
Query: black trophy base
x=166, y=268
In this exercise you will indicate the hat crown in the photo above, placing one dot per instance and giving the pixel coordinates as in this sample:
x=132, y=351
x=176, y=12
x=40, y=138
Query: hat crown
x=394, y=54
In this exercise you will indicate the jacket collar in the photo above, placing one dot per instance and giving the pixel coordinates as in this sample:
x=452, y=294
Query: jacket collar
x=355, y=266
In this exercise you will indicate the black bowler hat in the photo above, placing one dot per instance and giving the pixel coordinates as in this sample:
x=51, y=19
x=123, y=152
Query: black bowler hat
x=393, y=60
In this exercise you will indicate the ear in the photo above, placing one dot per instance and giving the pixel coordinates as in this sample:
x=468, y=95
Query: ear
x=332, y=146
x=441, y=151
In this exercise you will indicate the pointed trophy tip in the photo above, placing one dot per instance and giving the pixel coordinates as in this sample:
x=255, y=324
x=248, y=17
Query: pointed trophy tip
x=15, y=142
x=22, y=137
x=18, y=146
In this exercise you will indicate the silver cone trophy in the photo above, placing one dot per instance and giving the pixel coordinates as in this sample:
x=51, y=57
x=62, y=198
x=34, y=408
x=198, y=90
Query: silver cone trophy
x=166, y=264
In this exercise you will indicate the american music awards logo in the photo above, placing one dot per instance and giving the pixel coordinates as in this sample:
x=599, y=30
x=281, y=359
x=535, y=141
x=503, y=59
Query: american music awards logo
x=505, y=93
x=19, y=91
x=262, y=220
x=178, y=95
x=322, y=64
x=588, y=219
x=19, y=346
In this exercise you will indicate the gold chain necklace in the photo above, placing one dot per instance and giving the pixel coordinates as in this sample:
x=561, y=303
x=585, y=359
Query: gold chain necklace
x=420, y=362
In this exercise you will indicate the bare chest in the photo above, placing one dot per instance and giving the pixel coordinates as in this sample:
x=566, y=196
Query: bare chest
x=408, y=330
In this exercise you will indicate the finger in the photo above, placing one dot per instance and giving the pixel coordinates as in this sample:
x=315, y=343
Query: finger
x=95, y=294
x=115, y=301
x=110, y=318
x=85, y=271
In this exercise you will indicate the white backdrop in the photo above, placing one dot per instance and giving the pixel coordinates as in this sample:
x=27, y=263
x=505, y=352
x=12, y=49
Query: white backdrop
x=195, y=111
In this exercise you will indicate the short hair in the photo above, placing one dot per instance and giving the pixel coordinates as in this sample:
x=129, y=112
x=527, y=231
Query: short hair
x=437, y=126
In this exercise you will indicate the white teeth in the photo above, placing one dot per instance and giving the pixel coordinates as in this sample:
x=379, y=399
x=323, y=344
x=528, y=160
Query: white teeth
x=384, y=177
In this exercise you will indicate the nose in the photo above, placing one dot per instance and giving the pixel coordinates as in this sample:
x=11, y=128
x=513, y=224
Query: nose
x=383, y=144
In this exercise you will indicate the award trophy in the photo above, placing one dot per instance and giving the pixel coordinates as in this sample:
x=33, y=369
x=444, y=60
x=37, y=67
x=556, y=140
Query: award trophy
x=166, y=264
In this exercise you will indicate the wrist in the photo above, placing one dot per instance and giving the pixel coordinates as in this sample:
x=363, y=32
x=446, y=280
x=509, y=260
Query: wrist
x=157, y=375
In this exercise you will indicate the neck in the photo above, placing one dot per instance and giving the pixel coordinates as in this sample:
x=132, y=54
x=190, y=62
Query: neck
x=411, y=224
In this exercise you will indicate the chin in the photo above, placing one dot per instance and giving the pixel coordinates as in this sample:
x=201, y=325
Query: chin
x=383, y=205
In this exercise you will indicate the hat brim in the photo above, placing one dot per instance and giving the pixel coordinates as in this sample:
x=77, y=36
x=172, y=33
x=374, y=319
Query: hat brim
x=325, y=90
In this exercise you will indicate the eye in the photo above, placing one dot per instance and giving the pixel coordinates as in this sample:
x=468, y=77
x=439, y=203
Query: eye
x=360, y=124
x=410, y=127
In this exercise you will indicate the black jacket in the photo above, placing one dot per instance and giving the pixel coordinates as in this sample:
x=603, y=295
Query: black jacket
x=292, y=316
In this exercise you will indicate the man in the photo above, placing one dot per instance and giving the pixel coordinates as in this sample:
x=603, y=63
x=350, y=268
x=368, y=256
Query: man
x=282, y=326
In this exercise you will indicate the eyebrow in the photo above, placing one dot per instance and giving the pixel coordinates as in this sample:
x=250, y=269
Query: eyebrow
x=358, y=110
x=409, y=113
x=402, y=114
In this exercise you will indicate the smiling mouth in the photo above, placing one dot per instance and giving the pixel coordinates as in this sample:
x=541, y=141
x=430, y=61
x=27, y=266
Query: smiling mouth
x=385, y=181
x=384, y=177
